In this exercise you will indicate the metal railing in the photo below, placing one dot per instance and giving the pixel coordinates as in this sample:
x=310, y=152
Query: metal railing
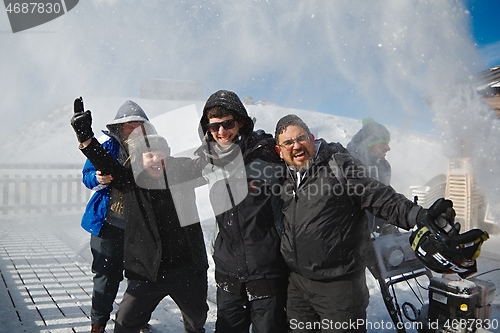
x=42, y=188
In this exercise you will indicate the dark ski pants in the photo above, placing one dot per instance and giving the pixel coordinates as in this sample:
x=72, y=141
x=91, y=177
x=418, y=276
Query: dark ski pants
x=235, y=313
x=107, y=265
x=142, y=297
x=337, y=306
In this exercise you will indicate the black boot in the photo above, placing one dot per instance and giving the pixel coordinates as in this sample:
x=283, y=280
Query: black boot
x=98, y=328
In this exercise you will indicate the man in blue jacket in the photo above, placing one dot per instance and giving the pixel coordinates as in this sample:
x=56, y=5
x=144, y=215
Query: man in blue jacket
x=103, y=217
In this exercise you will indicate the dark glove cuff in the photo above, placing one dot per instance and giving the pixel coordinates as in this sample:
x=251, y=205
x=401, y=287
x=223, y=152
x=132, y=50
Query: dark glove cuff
x=415, y=215
x=82, y=137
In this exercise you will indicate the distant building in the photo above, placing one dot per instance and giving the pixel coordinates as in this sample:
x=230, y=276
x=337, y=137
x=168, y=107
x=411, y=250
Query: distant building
x=152, y=88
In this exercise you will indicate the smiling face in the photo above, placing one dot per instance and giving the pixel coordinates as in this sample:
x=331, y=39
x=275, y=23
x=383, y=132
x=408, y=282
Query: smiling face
x=153, y=162
x=224, y=130
x=296, y=147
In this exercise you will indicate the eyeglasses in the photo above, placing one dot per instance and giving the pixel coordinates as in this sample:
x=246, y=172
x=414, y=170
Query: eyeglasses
x=288, y=144
x=226, y=124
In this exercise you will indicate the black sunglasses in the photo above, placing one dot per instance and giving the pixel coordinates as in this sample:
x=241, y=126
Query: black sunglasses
x=226, y=124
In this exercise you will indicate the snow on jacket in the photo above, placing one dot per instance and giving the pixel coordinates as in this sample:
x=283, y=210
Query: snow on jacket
x=155, y=243
x=325, y=231
x=244, y=192
x=97, y=207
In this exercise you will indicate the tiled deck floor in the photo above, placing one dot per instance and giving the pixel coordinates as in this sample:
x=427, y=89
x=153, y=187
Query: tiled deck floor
x=46, y=281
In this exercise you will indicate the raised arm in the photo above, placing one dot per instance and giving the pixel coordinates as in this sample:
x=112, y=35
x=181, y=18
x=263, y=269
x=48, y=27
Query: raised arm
x=94, y=151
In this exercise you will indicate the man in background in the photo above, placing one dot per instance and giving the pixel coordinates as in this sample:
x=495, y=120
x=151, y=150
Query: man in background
x=370, y=145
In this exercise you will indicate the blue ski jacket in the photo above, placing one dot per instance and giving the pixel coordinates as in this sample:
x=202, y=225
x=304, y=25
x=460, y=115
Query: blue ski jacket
x=97, y=206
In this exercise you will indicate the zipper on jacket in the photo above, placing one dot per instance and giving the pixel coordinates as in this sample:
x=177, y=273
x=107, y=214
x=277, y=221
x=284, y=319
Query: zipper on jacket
x=294, y=233
x=294, y=214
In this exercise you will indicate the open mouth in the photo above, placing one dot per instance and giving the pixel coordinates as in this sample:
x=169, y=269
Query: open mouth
x=300, y=155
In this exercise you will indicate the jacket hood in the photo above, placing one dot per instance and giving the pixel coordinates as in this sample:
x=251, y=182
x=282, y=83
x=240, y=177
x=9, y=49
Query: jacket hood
x=129, y=111
x=229, y=100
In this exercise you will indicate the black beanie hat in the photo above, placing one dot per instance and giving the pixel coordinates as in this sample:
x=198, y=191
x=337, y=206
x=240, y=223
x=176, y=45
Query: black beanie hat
x=289, y=120
x=230, y=101
x=151, y=142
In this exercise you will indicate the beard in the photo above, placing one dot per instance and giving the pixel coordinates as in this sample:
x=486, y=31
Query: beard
x=303, y=167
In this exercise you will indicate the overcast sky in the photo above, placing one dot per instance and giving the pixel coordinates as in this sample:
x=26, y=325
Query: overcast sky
x=353, y=58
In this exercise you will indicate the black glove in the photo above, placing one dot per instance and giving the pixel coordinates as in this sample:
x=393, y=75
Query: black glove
x=443, y=215
x=442, y=207
x=81, y=121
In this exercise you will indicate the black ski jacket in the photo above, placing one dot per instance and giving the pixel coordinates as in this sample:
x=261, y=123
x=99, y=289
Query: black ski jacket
x=244, y=191
x=155, y=242
x=325, y=231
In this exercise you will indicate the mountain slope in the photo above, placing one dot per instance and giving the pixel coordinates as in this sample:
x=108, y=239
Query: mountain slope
x=415, y=157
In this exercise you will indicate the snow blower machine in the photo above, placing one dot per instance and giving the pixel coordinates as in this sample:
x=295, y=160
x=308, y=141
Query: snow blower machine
x=435, y=258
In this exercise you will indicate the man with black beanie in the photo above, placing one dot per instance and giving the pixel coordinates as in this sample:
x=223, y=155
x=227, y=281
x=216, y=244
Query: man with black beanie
x=103, y=217
x=242, y=173
x=325, y=196
x=164, y=249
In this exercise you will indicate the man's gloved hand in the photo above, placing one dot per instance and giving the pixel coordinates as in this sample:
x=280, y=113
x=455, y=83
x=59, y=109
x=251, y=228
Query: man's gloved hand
x=81, y=121
x=442, y=214
x=442, y=206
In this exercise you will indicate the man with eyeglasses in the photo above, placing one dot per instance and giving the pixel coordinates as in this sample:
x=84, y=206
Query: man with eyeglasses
x=242, y=172
x=325, y=194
